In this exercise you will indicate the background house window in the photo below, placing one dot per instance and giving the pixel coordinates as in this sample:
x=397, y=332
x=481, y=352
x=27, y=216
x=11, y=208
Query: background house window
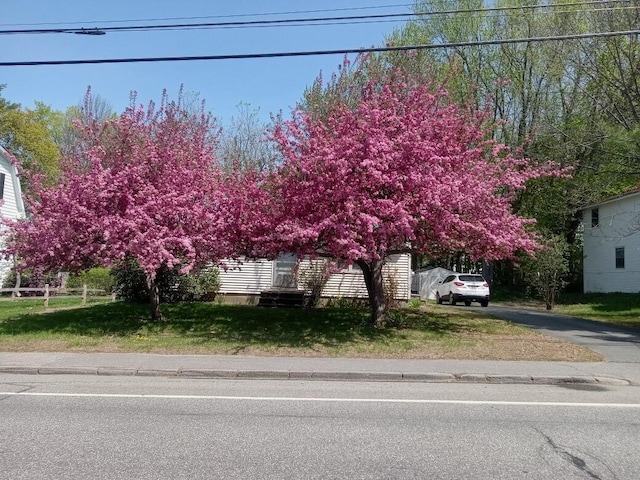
x=619, y=257
x=2, y=177
x=595, y=217
x=284, y=267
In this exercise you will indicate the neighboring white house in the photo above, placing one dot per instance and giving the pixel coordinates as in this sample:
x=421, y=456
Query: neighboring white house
x=246, y=280
x=612, y=244
x=11, y=204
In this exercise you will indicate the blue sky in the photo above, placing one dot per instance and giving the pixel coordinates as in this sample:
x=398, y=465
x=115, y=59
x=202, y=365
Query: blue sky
x=268, y=84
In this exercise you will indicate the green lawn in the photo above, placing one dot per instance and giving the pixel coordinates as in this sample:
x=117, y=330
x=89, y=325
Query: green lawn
x=618, y=308
x=208, y=328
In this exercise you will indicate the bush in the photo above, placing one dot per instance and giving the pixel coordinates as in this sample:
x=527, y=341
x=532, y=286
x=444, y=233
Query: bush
x=415, y=303
x=391, y=284
x=131, y=284
x=348, y=303
x=99, y=278
x=31, y=279
x=314, y=278
x=194, y=287
x=547, y=272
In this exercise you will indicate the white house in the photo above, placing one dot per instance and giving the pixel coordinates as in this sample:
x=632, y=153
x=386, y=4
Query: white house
x=11, y=204
x=245, y=281
x=612, y=244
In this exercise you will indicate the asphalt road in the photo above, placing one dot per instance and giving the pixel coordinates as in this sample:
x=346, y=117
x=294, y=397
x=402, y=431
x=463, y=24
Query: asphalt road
x=617, y=344
x=149, y=428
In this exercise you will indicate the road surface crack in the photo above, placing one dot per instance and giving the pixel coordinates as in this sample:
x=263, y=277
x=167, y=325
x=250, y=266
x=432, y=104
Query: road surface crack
x=573, y=459
x=24, y=388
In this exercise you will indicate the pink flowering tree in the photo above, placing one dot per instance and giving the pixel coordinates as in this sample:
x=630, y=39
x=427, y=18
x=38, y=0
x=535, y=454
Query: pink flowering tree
x=399, y=170
x=144, y=186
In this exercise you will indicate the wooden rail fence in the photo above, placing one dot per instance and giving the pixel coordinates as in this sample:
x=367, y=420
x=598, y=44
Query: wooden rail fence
x=47, y=292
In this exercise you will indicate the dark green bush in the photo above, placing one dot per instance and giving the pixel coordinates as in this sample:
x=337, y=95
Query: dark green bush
x=131, y=284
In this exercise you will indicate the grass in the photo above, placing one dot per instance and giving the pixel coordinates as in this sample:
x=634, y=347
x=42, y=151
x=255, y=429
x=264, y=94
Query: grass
x=617, y=308
x=207, y=328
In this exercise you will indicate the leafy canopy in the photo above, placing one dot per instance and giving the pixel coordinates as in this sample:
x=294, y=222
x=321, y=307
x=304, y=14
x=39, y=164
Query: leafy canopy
x=145, y=186
x=398, y=167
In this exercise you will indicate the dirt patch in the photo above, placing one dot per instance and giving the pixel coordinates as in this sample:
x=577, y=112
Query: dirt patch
x=530, y=348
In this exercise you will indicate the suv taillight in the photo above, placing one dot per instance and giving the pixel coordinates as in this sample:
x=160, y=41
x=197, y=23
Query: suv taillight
x=458, y=284
x=486, y=285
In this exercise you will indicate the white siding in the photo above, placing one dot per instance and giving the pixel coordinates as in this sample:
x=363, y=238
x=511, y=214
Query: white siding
x=618, y=226
x=11, y=206
x=257, y=275
x=248, y=277
x=350, y=283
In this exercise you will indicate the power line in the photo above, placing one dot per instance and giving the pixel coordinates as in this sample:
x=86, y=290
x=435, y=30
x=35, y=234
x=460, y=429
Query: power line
x=301, y=21
x=245, y=23
x=344, y=51
x=237, y=15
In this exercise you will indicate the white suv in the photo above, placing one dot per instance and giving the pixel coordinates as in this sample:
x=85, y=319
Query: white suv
x=463, y=287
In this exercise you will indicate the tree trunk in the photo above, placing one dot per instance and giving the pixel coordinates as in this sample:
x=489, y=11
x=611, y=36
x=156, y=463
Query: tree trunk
x=372, y=272
x=154, y=297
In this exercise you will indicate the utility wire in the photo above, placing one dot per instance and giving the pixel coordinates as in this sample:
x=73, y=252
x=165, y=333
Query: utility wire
x=237, y=15
x=296, y=21
x=344, y=51
x=245, y=23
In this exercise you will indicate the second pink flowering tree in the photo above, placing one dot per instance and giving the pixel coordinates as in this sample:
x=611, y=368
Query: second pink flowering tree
x=400, y=169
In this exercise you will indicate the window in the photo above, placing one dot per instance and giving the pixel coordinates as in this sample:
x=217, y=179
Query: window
x=2, y=177
x=471, y=278
x=595, y=217
x=619, y=257
x=283, y=268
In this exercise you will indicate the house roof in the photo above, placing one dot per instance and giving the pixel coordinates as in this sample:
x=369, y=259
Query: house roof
x=630, y=193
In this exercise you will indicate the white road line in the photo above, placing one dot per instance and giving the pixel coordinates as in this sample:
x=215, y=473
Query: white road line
x=321, y=399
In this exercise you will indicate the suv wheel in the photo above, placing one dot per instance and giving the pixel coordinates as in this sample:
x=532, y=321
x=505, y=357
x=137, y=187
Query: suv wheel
x=452, y=300
x=484, y=303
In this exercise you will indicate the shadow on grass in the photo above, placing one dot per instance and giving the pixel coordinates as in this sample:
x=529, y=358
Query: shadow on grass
x=118, y=319
x=604, y=302
x=233, y=324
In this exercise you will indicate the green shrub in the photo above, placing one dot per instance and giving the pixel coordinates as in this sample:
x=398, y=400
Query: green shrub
x=415, y=303
x=348, y=303
x=31, y=279
x=131, y=284
x=194, y=287
x=99, y=278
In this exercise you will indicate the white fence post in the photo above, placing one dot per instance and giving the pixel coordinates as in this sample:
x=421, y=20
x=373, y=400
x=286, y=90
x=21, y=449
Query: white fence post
x=84, y=294
x=46, y=296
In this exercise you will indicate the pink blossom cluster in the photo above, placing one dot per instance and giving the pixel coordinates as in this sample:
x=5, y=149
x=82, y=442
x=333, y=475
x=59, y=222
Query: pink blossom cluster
x=146, y=186
x=404, y=171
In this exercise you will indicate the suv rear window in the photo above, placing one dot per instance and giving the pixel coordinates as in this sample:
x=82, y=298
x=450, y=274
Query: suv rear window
x=471, y=278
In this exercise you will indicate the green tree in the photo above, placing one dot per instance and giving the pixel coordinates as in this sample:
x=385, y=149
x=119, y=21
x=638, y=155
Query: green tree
x=547, y=272
x=28, y=134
